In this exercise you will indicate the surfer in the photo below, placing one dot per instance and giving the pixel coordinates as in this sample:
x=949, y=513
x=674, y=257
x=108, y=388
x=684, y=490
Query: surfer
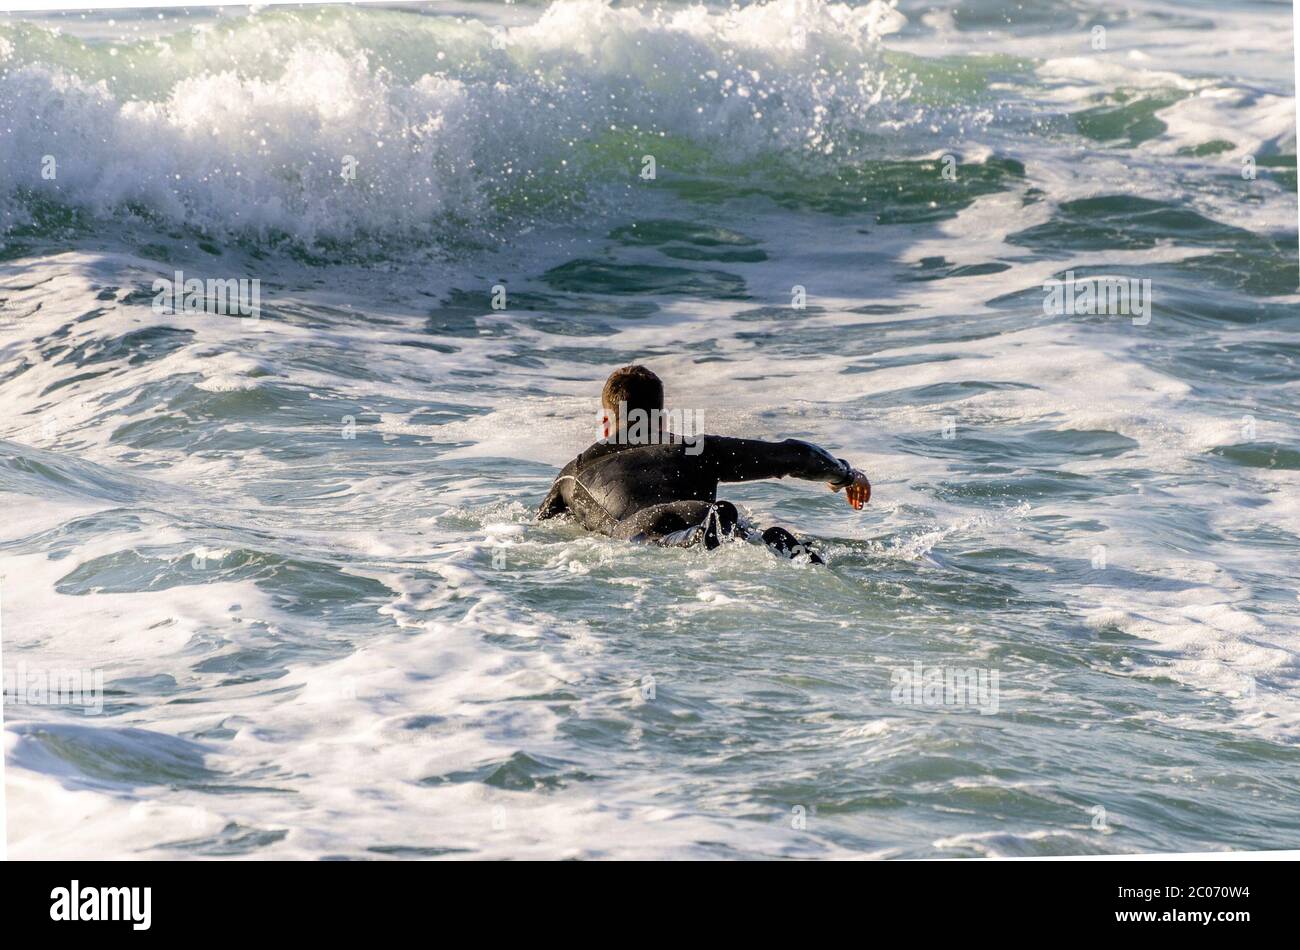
x=644, y=482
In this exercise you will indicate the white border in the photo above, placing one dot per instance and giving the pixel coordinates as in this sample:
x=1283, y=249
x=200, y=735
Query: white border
x=4, y=813
x=44, y=6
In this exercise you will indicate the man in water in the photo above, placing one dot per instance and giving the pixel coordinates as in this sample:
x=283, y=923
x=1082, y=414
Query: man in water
x=641, y=483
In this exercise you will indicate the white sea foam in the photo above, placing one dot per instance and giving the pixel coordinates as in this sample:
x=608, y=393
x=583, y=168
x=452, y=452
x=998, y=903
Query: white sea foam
x=391, y=655
x=212, y=147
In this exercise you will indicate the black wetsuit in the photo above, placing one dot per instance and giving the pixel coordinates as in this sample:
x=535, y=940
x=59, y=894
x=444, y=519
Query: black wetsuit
x=667, y=492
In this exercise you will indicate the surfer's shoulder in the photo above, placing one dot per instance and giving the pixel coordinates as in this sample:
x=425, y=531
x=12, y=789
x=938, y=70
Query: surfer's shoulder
x=591, y=453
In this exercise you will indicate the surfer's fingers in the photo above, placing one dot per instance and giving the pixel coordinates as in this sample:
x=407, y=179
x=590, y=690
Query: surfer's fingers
x=859, y=493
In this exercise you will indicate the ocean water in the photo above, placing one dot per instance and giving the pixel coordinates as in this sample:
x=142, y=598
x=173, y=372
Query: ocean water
x=300, y=549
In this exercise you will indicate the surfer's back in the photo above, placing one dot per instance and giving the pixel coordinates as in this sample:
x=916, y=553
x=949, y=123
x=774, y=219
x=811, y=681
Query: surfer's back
x=612, y=481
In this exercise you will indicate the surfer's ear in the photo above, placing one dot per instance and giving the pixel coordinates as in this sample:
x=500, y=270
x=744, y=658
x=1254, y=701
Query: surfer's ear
x=605, y=427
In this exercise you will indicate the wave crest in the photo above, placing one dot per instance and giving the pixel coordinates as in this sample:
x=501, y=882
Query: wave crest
x=442, y=121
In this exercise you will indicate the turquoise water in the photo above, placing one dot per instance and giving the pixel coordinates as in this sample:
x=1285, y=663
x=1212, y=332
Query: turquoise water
x=301, y=551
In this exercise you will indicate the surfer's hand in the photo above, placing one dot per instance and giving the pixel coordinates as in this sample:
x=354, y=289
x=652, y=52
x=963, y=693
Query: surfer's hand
x=857, y=492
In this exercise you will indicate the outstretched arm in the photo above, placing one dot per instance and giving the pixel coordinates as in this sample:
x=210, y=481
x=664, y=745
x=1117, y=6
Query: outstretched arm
x=744, y=460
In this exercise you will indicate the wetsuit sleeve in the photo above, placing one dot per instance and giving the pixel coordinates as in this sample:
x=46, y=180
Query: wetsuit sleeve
x=743, y=460
x=554, y=504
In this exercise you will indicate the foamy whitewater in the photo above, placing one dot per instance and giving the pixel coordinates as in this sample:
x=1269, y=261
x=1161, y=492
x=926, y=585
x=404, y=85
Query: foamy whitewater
x=301, y=550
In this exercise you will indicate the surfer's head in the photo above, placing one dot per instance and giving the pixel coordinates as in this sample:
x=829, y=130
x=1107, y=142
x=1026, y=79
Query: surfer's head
x=630, y=388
